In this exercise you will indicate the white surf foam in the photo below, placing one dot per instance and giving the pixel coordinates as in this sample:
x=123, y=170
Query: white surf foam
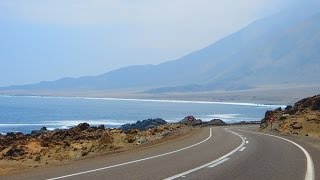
x=157, y=100
x=224, y=116
x=91, y=122
x=20, y=124
x=64, y=124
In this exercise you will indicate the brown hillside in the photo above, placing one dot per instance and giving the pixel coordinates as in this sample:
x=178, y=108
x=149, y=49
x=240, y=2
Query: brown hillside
x=301, y=119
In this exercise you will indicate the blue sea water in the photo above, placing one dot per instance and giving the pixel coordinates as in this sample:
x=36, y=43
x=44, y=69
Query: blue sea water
x=27, y=113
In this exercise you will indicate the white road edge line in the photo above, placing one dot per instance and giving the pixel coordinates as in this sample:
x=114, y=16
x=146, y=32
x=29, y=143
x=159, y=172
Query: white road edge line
x=310, y=174
x=219, y=162
x=135, y=161
x=212, y=162
x=242, y=148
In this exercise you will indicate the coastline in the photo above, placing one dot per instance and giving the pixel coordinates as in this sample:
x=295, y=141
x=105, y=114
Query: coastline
x=150, y=100
x=107, y=118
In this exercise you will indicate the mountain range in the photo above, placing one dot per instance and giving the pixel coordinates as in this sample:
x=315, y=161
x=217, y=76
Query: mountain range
x=280, y=49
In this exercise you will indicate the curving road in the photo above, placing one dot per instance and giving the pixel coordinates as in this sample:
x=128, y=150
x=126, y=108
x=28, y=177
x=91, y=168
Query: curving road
x=209, y=153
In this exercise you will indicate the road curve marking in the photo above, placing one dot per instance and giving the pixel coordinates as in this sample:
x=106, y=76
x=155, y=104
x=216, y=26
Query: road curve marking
x=310, y=174
x=135, y=161
x=242, y=148
x=212, y=162
x=219, y=162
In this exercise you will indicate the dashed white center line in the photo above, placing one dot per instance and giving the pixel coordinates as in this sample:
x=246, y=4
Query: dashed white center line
x=219, y=162
x=247, y=142
x=242, y=148
x=212, y=163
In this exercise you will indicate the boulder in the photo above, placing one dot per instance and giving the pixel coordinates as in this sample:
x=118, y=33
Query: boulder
x=14, y=135
x=191, y=121
x=101, y=127
x=289, y=107
x=278, y=109
x=14, y=152
x=83, y=126
x=143, y=125
x=43, y=129
x=268, y=114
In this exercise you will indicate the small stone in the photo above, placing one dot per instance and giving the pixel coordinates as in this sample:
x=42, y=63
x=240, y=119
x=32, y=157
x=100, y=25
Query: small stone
x=84, y=153
x=38, y=158
x=296, y=125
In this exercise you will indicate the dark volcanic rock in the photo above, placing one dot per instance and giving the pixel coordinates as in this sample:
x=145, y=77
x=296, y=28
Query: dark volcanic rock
x=316, y=104
x=101, y=127
x=14, y=152
x=278, y=109
x=312, y=103
x=83, y=126
x=214, y=122
x=43, y=129
x=288, y=108
x=14, y=135
x=143, y=125
x=191, y=121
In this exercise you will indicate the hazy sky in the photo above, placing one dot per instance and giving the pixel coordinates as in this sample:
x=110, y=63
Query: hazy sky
x=51, y=39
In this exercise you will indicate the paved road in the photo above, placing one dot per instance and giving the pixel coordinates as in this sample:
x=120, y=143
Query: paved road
x=209, y=153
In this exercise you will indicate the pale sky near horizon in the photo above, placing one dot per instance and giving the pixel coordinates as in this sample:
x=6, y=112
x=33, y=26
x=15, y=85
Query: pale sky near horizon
x=50, y=39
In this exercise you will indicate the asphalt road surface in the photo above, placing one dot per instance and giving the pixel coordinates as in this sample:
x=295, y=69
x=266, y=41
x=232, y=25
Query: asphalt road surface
x=233, y=152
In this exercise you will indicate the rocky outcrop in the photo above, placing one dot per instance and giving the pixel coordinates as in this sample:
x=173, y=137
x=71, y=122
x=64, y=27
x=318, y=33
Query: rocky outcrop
x=303, y=118
x=191, y=121
x=43, y=129
x=311, y=103
x=144, y=125
x=214, y=122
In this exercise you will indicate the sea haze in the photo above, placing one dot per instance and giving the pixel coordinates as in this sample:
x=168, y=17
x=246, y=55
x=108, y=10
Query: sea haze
x=26, y=113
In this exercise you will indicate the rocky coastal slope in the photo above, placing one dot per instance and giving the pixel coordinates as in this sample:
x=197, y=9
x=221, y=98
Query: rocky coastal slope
x=59, y=146
x=301, y=119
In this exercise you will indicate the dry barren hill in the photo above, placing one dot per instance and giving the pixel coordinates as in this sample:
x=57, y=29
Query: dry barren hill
x=280, y=49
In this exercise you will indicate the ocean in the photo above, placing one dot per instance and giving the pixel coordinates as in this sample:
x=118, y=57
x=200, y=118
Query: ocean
x=27, y=113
